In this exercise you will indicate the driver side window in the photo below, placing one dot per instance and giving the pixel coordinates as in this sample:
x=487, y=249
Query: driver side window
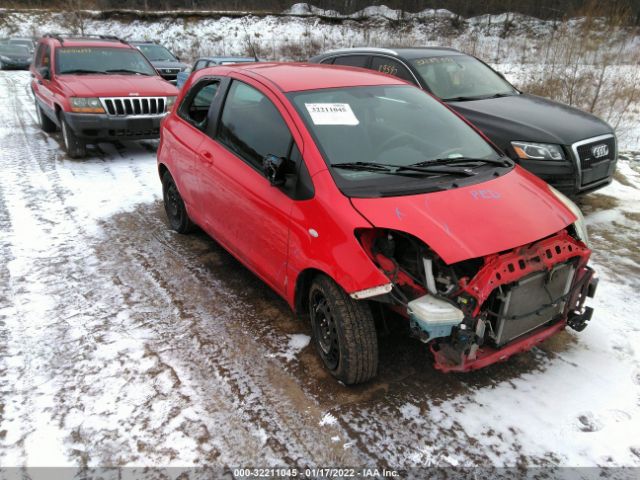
x=195, y=107
x=251, y=126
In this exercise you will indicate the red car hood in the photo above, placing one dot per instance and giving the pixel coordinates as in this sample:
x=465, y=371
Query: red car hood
x=117, y=85
x=473, y=221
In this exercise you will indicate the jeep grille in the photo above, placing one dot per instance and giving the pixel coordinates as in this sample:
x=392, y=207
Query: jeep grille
x=123, y=106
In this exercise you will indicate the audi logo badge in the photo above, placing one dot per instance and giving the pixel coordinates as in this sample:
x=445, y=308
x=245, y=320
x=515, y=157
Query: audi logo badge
x=600, y=151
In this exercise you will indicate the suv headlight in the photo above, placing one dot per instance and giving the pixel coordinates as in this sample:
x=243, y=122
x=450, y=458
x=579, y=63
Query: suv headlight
x=579, y=224
x=538, y=151
x=170, y=102
x=86, y=105
x=5, y=59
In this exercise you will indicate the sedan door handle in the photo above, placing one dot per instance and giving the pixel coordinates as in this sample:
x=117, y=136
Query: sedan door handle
x=207, y=157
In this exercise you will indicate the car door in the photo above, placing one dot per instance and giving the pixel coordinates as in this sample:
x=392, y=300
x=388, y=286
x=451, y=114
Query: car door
x=245, y=212
x=42, y=87
x=188, y=132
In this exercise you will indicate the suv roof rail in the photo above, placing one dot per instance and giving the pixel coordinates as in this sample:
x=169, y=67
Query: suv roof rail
x=62, y=36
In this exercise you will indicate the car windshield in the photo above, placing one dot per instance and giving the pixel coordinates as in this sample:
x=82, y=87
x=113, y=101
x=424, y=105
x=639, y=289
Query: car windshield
x=391, y=137
x=157, y=53
x=9, y=49
x=461, y=77
x=104, y=60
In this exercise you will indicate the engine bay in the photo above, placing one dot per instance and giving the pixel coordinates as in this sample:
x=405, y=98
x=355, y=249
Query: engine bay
x=482, y=310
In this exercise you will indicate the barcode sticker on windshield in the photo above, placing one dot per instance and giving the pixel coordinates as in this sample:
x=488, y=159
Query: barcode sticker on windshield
x=331, y=114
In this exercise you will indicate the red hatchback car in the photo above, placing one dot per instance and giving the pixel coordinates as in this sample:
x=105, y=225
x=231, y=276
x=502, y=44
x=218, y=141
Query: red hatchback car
x=355, y=195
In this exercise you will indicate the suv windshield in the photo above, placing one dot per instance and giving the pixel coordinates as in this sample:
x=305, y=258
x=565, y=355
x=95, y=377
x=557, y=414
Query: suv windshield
x=460, y=77
x=9, y=49
x=101, y=60
x=386, y=140
x=157, y=53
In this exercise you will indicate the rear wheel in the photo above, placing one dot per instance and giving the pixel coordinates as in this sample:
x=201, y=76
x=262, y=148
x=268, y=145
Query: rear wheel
x=344, y=332
x=75, y=147
x=46, y=124
x=174, y=206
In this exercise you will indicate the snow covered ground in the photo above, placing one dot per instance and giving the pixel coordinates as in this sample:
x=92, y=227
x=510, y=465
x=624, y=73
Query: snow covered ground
x=124, y=344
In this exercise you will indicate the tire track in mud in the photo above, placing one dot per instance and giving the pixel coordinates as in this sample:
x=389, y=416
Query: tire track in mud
x=221, y=333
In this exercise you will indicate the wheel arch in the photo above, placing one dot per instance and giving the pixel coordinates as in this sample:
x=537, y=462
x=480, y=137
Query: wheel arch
x=302, y=286
x=162, y=169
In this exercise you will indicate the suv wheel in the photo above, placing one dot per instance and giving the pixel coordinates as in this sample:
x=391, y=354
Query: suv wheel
x=174, y=206
x=343, y=331
x=46, y=124
x=74, y=146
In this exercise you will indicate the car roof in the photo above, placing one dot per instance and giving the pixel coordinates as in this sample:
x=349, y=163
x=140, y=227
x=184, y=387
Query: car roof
x=88, y=42
x=292, y=77
x=226, y=59
x=409, y=53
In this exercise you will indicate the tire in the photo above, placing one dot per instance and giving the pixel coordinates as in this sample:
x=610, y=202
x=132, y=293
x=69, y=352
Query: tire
x=46, y=124
x=75, y=147
x=343, y=331
x=174, y=206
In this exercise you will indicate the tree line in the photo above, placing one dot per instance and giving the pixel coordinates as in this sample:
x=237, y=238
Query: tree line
x=547, y=9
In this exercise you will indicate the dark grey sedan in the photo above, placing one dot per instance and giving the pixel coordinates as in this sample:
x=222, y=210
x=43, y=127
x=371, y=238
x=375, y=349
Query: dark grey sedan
x=572, y=150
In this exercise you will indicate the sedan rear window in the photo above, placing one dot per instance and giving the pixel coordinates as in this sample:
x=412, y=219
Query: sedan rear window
x=101, y=60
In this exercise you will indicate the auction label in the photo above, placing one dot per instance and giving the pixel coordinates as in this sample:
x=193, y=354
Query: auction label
x=315, y=473
x=331, y=114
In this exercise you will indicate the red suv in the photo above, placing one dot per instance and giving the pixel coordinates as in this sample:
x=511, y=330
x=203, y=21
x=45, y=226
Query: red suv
x=356, y=196
x=97, y=89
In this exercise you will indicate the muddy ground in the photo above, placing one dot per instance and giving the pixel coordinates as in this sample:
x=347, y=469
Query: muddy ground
x=123, y=343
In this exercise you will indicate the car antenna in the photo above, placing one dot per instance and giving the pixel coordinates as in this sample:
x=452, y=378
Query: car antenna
x=253, y=50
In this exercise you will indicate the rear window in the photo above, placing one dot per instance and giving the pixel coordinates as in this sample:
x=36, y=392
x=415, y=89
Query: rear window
x=101, y=60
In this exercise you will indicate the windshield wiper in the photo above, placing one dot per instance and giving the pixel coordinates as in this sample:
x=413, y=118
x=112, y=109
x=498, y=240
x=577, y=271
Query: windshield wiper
x=81, y=70
x=367, y=166
x=503, y=161
x=477, y=97
x=461, y=99
x=124, y=70
x=401, y=169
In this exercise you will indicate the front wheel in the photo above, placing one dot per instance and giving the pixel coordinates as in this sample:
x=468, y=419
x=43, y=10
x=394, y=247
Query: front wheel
x=174, y=206
x=46, y=124
x=343, y=331
x=75, y=147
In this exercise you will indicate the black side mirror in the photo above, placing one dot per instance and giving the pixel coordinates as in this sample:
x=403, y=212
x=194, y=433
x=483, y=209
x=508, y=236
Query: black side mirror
x=274, y=169
x=45, y=73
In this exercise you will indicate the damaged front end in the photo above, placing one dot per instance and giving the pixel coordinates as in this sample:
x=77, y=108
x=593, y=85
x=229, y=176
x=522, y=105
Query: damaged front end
x=480, y=311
